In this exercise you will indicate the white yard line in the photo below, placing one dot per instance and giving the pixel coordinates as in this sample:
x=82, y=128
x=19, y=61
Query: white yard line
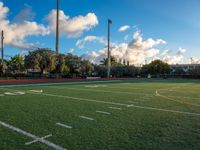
x=166, y=110
x=106, y=91
x=87, y=118
x=37, y=140
x=34, y=137
x=119, y=104
x=63, y=125
x=81, y=99
x=117, y=108
x=103, y=112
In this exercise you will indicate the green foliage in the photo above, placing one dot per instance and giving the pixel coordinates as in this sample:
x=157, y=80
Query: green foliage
x=156, y=67
x=124, y=71
x=113, y=62
x=16, y=65
x=41, y=59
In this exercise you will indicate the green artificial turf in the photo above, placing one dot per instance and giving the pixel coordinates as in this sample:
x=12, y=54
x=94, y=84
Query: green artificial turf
x=148, y=114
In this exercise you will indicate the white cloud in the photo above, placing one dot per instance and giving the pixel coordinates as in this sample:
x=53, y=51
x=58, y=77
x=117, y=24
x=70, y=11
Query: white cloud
x=176, y=59
x=15, y=33
x=136, y=52
x=81, y=43
x=72, y=27
x=123, y=28
x=194, y=60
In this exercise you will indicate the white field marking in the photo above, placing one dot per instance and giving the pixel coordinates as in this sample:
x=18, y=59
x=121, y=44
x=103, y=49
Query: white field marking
x=166, y=110
x=182, y=102
x=178, y=101
x=117, y=108
x=36, y=91
x=46, y=142
x=184, y=97
x=95, y=86
x=106, y=91
x=60, y=83
x=133, y=102
x=2, y=95
x=37, y=140
x=87, y=118
x=63, y=125
x=103, y=112
x=82, y=99
x=14, y=93
x=120, y=104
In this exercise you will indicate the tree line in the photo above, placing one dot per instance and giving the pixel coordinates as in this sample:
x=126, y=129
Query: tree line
x=45, y=62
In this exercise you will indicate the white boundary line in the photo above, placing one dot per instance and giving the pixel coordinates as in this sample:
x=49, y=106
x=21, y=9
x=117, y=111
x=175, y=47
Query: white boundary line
x=106, y=91
x=63, y=125
x=87, y=118
x=119, y=104
x=165, y=110
x=103, y=112
x=116, y=108
x=37, y=140
x=46, y=142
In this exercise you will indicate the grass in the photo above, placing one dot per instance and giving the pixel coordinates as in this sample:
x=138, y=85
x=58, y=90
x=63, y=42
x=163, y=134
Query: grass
x=167, y=120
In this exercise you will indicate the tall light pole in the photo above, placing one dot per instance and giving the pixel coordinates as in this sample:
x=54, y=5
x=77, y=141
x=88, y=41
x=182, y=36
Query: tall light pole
x=2, y=45
x=57, y=28
x=109, y=63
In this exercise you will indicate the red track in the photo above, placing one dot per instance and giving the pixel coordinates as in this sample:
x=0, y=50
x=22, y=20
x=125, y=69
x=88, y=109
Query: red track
x=24, y=81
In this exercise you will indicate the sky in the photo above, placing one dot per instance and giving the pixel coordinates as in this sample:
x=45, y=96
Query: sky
x=141, y=30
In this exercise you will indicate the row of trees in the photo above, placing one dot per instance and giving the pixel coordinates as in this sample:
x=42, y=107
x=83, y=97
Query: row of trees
x=44, y=61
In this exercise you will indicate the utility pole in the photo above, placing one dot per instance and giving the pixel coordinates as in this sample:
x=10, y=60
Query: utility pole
x=57, y=28
x=2, y=45
x=109, y=63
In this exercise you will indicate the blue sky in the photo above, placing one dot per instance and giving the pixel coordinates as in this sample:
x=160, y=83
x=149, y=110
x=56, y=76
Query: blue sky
x=177, y=22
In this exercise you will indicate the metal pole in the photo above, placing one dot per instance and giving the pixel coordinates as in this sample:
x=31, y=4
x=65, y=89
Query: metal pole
x=57, y=29
x=2, y=45
x=109, y=63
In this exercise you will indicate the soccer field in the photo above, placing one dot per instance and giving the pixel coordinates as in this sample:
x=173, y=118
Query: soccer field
x=101, y=115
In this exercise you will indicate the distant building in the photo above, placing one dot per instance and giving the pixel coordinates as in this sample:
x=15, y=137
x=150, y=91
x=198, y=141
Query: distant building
x=184, y=67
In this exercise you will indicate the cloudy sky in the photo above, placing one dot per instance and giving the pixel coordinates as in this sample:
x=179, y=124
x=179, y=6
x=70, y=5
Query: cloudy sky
x=142, y=30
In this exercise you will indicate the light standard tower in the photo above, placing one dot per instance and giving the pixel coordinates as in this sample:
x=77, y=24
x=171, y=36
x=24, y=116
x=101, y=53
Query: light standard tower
x=2, y=45
x=57, y=28
x=109, y=63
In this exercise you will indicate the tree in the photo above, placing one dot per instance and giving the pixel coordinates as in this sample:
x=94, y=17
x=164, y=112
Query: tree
x=3, y=67
x=86, y=68
x=42, y=59
x=60, y=64
x=157, y=67
x=113, y=61
x=16, y=65
x=74, y=64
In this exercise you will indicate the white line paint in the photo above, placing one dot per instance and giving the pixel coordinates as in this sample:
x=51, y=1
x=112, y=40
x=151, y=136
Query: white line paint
x=117, y=108
x=126, y=105
x=103, y=112
x=37, y=140
x=95, y=90
x=133, y=102
x=165, y=110
x=63, y=125
x=119, y=104
x=46, y=142
x=14, y=93
x=36, y=91
x=82, y=99
x=88, y=118
x=2, y=95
